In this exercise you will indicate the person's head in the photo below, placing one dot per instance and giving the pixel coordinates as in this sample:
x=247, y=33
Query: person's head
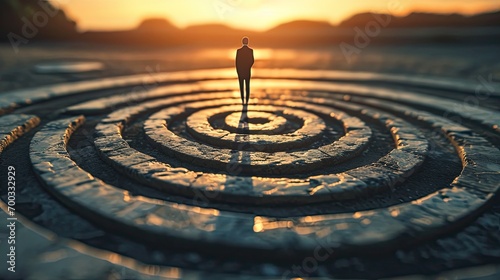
x=244, y=41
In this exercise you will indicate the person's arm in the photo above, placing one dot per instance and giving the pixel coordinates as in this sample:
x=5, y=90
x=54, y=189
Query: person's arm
x=236, y=59
x=252, y=60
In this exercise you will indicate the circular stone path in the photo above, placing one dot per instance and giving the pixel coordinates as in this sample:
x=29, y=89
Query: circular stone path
x=349, y=163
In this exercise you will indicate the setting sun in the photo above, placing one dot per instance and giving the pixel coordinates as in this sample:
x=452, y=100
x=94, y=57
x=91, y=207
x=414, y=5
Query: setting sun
x=248, y=14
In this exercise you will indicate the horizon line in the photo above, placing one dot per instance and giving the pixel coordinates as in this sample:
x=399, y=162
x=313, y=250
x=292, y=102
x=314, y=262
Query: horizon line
x=281, y=23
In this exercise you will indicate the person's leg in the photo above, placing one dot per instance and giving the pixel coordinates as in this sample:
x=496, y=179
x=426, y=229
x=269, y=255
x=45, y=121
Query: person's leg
x=241, y=89
x=247, y=84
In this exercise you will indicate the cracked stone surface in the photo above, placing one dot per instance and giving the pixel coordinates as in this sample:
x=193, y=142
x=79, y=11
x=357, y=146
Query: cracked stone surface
x=14, y=126
x=80, y=190
x=186, y=169
x=259, y=189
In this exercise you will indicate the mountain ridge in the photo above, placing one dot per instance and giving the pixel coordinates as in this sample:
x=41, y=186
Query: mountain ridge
x=300, y=32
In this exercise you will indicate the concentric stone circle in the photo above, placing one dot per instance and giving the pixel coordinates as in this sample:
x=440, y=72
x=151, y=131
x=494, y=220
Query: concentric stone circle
x=269, y=136
x=157, y=130
x=303, y=140
x=258, y=122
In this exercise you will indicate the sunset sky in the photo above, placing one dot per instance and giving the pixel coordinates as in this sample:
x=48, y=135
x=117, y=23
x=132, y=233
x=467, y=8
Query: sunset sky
x=248, y=14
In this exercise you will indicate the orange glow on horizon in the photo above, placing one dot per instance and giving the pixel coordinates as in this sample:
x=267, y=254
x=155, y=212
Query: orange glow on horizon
x=248, y=14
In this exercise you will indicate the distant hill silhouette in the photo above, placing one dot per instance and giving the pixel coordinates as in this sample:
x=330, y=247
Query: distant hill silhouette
x=150, y=32
x=160, y=32
x=16, y=17
x=302, y=26
x=300, y=33
x=157, y=25
x=214, y=34
x=211, y=28
x=419, y=20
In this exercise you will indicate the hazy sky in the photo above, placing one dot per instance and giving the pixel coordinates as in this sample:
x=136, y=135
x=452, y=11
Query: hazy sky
x=249, y=14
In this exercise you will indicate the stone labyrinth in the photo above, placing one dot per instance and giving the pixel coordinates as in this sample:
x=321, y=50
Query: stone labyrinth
x=354, y=162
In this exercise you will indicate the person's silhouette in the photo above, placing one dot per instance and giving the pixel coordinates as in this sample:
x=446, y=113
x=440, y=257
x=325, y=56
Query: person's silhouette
x=244, y=62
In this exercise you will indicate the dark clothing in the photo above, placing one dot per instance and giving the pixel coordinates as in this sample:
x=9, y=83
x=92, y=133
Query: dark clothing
x=245, y=81
x=244, y=62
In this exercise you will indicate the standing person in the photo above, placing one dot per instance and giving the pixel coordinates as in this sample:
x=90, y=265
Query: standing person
x=244, y=62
